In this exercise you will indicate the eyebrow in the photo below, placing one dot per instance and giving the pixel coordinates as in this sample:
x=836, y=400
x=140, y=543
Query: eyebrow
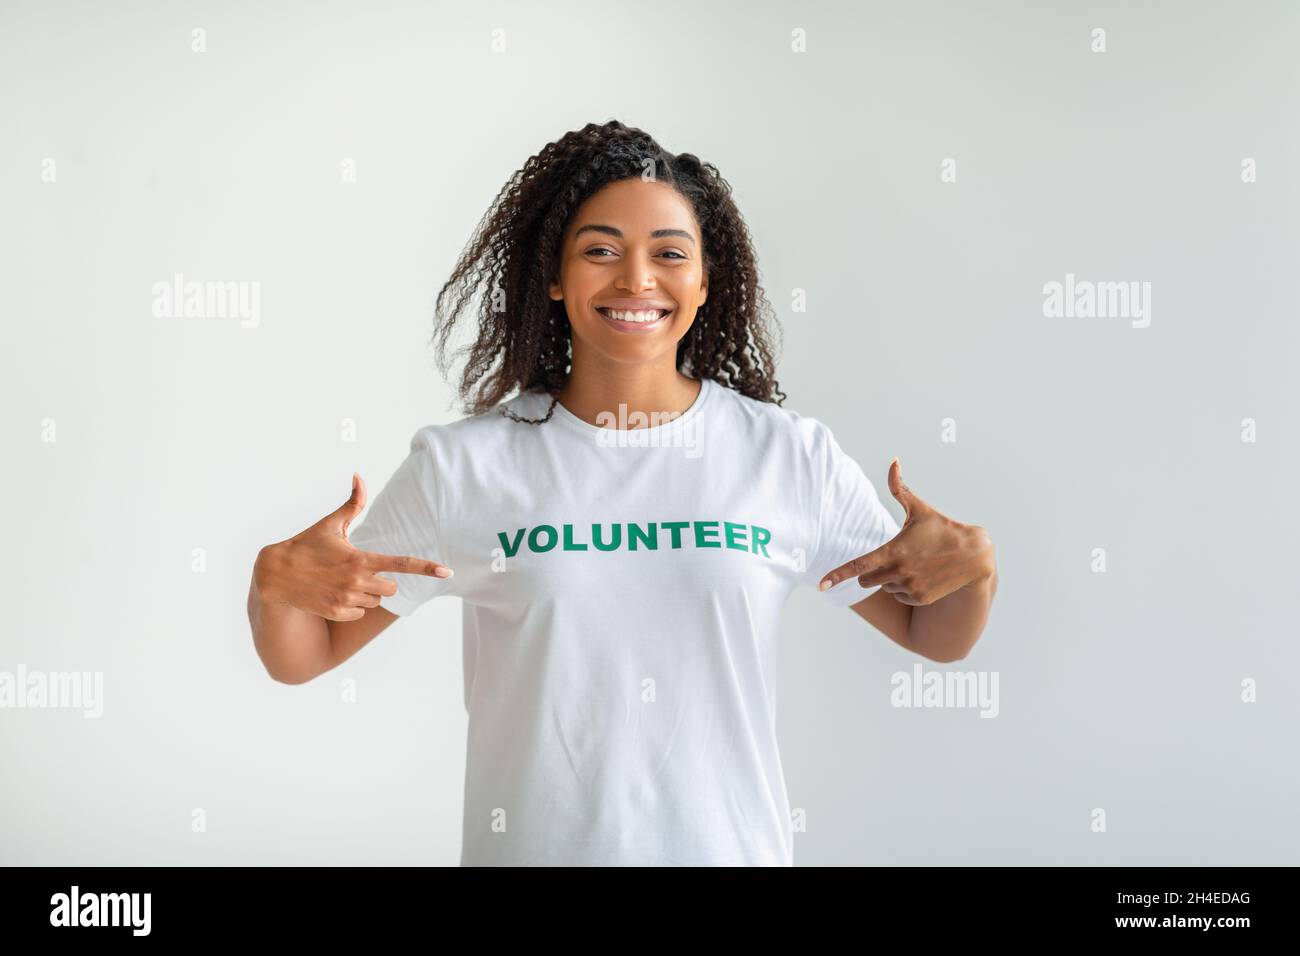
x=618, y=233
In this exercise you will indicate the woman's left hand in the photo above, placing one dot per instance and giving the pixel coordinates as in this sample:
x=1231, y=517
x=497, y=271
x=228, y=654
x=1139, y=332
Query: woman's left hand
x=931, y=556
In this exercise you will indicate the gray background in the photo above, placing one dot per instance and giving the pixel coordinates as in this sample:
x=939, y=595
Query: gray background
x=1119, y=690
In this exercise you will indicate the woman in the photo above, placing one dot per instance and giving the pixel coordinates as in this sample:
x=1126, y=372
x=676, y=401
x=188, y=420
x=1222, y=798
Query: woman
x=624, y=531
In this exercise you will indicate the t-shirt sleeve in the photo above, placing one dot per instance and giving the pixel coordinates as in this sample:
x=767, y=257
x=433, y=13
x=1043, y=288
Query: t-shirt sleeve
x=852, y=520
x=403, y=519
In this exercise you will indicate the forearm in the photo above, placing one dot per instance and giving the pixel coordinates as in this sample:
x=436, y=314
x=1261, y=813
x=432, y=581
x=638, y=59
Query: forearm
x=947, y=629
x=294, y=645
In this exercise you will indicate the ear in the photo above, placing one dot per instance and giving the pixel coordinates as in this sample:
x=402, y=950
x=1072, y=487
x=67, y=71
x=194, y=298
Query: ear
x=555, y=292
x=704, y=289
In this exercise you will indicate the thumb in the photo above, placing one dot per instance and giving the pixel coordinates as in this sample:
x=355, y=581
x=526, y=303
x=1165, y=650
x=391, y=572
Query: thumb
x=904, y=495
x=349, y=510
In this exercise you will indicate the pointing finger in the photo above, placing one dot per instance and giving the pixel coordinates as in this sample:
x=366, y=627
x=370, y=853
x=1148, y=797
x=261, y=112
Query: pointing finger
x=406, y=565
x=878, y=562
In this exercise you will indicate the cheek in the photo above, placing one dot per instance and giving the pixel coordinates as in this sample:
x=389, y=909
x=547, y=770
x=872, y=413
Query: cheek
x=688, y=286
x=581, y=279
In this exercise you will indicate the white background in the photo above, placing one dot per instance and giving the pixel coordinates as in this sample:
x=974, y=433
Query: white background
x=1119, y=690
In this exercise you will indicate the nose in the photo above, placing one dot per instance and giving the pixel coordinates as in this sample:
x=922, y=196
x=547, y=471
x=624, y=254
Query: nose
x=636, y=274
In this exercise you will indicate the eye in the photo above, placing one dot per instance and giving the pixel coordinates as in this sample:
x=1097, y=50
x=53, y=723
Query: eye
x=667, y=252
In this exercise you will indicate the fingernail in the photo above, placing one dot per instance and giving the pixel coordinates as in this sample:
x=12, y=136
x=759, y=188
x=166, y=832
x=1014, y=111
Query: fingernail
x=900, y=464
x=444, y=572
x=826, y=582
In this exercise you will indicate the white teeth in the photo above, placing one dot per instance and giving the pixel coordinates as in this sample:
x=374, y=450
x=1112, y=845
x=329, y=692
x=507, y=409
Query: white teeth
x=624, y=316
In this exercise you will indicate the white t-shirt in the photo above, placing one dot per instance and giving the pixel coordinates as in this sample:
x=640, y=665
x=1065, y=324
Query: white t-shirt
x=621, y=593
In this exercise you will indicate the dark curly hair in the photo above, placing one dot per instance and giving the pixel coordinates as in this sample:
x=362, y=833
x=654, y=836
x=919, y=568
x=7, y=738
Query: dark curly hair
x=515, y=252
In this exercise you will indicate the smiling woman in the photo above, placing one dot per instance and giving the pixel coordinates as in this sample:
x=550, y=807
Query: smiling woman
x=598, y=229
x=619, y=667
x=632, y=281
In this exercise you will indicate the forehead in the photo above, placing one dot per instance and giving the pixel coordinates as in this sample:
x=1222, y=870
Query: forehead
x=636, y=207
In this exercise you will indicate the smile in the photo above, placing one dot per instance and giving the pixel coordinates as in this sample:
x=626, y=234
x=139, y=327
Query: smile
x=628, y=321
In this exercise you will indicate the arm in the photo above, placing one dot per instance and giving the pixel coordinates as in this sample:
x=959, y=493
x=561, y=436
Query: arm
x=944, y=631
x=313, y=601
x=937, y=579
x=887, y=616
x=296, y=646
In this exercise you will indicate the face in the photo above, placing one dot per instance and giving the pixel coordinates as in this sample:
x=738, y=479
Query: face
x=631, y=253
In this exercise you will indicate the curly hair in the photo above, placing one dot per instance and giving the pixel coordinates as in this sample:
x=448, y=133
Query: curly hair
x=515, y=254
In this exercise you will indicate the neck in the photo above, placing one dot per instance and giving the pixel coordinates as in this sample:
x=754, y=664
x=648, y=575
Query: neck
x=654, y=389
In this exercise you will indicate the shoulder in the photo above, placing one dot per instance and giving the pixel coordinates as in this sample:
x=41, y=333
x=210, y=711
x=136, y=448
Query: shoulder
x=484, y=429
x=776, y=423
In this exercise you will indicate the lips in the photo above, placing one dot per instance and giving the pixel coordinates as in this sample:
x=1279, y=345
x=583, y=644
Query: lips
x=608, y=312
x=633, y=325
x=637, y=305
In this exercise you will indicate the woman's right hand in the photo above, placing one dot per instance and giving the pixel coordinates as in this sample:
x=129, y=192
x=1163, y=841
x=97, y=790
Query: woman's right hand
x=318, y=570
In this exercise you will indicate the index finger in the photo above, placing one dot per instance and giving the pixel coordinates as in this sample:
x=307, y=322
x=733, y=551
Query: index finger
x=405, y=565
x=875, y=567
